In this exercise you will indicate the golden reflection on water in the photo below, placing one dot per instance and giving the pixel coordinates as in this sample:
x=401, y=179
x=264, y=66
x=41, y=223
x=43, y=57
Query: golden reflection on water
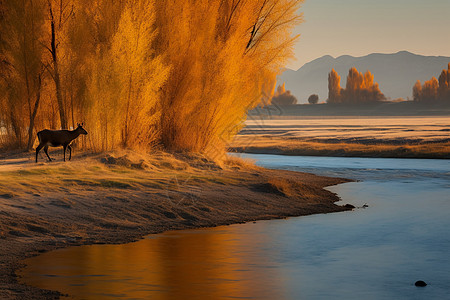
x=223, y=262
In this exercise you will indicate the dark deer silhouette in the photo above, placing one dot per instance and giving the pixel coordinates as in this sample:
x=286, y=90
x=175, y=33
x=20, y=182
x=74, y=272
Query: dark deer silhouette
x=56, y=138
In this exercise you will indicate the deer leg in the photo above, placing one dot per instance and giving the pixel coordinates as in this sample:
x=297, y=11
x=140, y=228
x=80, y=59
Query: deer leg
x=46, y=152
x=65, y=149
x=70, y=152
x=38, y=149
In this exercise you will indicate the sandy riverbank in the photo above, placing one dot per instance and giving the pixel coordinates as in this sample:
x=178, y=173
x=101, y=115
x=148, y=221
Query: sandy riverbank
x=336, y=148
x=113, y=198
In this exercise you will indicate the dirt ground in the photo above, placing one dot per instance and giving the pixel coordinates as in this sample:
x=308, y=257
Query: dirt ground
x=121, y=197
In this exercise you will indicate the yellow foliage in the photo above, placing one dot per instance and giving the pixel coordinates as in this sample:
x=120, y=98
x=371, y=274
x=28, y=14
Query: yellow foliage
x=223, y=54
x=21, y=29
x=124, y=91
x=182, y=74
x=434, y=89
x=430, y=89
x=334, y=87
x=360, y=88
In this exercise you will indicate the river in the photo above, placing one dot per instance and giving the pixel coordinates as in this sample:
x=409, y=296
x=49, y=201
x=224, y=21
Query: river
x=376, y=252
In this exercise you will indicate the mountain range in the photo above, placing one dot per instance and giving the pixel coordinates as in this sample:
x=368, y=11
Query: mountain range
x=395, y=73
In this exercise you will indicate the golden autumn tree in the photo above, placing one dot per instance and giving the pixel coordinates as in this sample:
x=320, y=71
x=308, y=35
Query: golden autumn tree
x=142, y=73
x=355, y=82
x=59, y=12
x=76, y=47
x=122, y=96
x=222, y=53
x=417, y=91
x=90, y=77
x=334, y=87
x=281, y=89
x=430, y=90
x=179, y=73
x=360, y=88
x=444, y=85
x=268, y=90
x=434, y=90
x=23, y=67
x=283, y=97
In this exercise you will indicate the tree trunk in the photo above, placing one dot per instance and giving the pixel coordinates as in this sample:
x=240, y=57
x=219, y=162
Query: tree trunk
x=33, y=115
x=125, y=135
x=16, y=128
x=71, y=101
x=56, y=78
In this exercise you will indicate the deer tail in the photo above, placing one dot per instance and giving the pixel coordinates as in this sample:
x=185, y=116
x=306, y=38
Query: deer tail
x=39, y=136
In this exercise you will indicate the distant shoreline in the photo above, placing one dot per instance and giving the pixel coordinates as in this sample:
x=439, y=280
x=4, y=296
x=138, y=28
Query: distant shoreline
x=380, y=109
x=304, y=147
x=396, y=153
x=347, y=136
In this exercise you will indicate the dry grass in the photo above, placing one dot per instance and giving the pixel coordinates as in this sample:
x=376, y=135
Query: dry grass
x=115, y=170
x=239, y=163
x=282, y=186
x=356, y=149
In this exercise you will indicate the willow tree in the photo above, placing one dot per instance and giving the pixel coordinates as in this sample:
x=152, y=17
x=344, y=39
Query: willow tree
x=125, y=77
x=142, y=73
x=59, y=12
x=222, y=54
x=430, y=90
x=434, y=89
x=417, y=91
x=87, y=37
x=23, y=57
x=444, y=85
x=359, y=88
x=334, y=87
x=181, y=73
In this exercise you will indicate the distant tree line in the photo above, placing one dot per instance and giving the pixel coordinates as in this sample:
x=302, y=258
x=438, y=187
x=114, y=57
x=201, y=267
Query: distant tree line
x=433, y=89
x=360, y=88
x=283, y=97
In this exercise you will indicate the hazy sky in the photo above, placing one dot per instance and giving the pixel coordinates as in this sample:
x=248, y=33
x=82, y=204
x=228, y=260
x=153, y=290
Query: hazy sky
x=360, y=27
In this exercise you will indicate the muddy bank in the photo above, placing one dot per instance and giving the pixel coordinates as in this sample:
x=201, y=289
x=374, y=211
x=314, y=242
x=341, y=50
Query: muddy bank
x=120, y=198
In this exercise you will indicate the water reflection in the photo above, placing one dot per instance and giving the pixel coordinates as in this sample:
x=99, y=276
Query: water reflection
x=200, y=264
x=374, y=253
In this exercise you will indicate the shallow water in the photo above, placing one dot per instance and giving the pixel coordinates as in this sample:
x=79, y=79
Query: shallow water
x=372, y=253
x=395, y=129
